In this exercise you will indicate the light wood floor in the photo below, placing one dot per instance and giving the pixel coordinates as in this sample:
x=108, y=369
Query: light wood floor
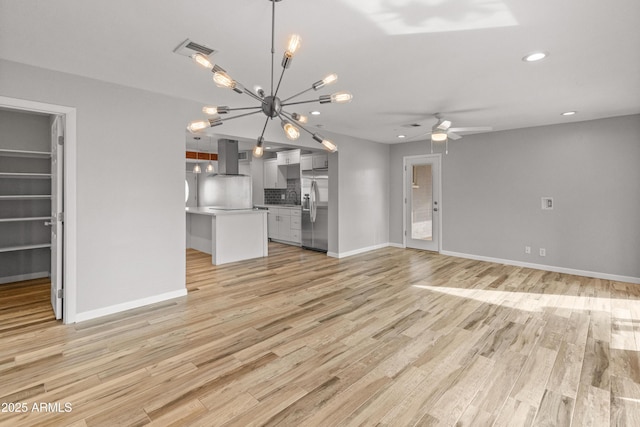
x=392, y=337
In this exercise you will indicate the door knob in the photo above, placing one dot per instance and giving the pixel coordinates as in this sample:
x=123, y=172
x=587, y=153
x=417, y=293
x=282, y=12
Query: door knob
x=435, y=209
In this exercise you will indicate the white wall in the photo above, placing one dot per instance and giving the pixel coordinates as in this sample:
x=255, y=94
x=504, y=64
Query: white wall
x=493, y=183
x=130, y=184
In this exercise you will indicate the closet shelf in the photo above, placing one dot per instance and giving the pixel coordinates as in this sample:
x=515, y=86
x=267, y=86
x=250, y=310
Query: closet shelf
x=25, y=197
x=27, y=175
x=24, y=153
x=25, y=247
x=28, y=218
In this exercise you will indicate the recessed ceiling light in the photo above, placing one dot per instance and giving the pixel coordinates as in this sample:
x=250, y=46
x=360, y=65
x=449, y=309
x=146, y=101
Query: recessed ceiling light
x=536, y=56
x=402, y=136
x=267, y=148
x=569, y=113
x=315, y=113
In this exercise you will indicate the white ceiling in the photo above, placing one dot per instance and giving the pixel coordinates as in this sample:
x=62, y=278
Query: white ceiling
x=404, y=60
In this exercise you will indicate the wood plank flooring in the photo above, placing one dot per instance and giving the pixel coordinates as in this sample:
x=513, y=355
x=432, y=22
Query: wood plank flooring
x=392, y=337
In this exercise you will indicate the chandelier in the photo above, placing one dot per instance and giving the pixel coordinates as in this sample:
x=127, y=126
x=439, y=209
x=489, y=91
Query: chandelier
x=270, y=105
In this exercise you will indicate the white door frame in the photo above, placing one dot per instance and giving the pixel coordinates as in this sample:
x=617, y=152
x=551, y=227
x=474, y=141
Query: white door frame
x=437, y=157
x=70, y=267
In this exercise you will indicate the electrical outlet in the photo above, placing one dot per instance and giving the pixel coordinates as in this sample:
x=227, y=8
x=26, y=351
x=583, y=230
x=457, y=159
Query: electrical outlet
x=527, y=249
x=282, y=197
x=543, y=252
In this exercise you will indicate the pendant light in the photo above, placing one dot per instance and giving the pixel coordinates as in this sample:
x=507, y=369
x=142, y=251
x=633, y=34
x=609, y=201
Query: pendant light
x=209, y=165
x=196, y=167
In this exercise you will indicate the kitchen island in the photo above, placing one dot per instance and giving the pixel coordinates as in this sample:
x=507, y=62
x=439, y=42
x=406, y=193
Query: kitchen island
x=228, y=235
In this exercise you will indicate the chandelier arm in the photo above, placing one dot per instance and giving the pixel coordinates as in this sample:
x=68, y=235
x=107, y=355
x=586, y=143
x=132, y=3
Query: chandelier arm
x=253, y=95
x=264, y=128
x=300, y=102
x=245, y=108
x=297, y=94
x=240, y=115
x=280, y=81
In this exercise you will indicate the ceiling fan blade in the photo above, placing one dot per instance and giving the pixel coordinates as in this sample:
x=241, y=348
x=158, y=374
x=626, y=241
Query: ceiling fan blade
x=413, y=138
x=452, y=135
x=442, y=124
x=472, y=129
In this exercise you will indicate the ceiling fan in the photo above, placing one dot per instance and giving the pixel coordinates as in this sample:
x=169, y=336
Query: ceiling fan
x=442, y=132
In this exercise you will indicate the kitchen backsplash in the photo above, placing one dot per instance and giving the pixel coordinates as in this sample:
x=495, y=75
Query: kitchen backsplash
x=291, y=194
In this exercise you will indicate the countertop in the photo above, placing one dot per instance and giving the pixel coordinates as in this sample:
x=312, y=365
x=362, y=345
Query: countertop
x=216, y=212
x=278, y=206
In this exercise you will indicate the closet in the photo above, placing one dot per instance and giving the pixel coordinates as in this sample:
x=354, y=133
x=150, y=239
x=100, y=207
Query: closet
x=25, y=195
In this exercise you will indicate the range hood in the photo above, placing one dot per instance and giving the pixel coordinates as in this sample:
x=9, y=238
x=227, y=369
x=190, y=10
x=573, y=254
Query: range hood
x=227, y=157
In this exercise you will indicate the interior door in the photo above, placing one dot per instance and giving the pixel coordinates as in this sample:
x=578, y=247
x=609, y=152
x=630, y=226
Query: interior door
x=57, y=156
x=422, y=202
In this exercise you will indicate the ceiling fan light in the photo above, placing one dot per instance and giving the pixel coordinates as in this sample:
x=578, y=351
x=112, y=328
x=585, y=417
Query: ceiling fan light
x=202, y=60
x=439, y=136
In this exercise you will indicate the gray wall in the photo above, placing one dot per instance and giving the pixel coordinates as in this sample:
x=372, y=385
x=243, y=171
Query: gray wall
x=493, y=183
x=363, y=194
x=130, y=183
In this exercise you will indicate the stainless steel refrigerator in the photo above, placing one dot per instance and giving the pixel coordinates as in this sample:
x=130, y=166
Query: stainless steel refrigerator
x=315, y=209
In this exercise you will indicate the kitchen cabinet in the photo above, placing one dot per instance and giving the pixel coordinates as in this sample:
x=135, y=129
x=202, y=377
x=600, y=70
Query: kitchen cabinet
x=314, y=161
x=274, y=177
x=289, y=157
x=284, y=224
x=320, y=161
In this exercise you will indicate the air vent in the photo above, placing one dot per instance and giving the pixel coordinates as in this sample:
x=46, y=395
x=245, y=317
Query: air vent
x=188, y=48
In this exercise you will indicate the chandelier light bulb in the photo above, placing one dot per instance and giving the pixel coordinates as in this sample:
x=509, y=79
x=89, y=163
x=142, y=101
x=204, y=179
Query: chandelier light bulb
x=211, y=111
x=202, y=60
x=331, y=78
x=258, y=151
x=290, y=131
x=341, y=97
x=198, y=125
x=222, y=79
x=300, y=118
x=293, y=45
x=329, y=146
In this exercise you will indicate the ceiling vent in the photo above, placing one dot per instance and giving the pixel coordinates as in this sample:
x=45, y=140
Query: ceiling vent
x=189, y=48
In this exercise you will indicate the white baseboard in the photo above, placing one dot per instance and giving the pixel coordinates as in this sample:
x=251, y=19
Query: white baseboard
x=397, y=245
x=21, y=277
x=105, y=311
x=544, y=267
x=357, y=251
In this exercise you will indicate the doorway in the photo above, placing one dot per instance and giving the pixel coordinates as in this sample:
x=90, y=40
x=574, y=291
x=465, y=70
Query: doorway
x=62, y=206
x=422, y=207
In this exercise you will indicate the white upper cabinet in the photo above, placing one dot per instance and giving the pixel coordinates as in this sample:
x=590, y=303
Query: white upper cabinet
x=274, y=177
x=290, y=157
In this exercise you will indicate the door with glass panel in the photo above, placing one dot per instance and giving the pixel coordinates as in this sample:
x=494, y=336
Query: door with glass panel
x=422, y=202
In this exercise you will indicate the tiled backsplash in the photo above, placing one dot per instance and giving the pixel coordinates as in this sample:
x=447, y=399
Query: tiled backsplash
x=291, y=194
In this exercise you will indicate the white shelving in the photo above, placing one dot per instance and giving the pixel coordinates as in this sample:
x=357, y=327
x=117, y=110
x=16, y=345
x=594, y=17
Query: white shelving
x=24, y=219
x=26, y=197
x=25, y=175
x=25, y=247
x=24, y=153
